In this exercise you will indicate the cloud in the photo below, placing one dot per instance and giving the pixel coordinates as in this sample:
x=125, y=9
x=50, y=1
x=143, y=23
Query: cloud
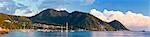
x=98, y=14
x=133, y=21
x=59, y=9
x=23, y=12
x=8, y=6
x=1, y=4
x=35, y=6
x=38, y=5
x=19, y=12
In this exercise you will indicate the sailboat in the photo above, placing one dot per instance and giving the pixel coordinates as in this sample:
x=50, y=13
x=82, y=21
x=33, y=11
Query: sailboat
x=66, y=27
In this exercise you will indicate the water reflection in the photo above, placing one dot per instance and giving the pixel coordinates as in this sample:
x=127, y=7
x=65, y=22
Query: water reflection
x=19, y=34
x=119, y=34
x=51, y=34
x=77, y=34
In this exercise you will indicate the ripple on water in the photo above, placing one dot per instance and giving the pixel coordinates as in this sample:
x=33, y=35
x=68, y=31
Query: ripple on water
x=77, y=34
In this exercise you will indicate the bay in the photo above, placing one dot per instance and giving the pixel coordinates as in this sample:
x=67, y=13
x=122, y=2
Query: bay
x=78, y=34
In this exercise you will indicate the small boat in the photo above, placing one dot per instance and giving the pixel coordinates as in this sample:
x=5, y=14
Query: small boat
x=46, y=30
x=72, y=31
x=143, y=31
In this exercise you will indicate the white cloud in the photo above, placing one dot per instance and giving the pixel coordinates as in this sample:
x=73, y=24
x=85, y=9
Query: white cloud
x=59, y=9
x=1, y=5
x=32, y=6
x=38, y=5
x=20, y=12
x=98, y=14
x=133, y=21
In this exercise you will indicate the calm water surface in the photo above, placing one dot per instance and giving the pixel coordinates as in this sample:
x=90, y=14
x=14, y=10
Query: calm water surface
x=77, y=34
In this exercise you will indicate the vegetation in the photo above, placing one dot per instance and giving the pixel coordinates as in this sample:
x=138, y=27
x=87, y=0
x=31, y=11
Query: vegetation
x=76, y=20
x=14, y=22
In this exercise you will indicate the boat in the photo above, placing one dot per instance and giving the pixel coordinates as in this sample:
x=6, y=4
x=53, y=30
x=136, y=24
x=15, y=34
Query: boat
x=143, y=31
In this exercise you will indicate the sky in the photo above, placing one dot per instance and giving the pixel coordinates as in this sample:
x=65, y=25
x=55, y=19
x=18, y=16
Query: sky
x=23, y=7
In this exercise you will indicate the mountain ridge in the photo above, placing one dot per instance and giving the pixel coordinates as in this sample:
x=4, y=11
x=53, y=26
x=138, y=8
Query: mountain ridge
x=76, y=20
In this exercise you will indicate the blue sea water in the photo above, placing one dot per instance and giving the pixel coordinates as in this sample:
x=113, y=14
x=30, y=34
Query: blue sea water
x=78, y=34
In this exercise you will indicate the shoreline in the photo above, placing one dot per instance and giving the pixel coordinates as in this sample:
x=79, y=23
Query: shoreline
x=44, y=30
x=2, y=31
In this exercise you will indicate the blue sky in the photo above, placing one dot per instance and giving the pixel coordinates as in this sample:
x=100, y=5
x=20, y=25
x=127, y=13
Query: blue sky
x=35, y=6
x=139, y=6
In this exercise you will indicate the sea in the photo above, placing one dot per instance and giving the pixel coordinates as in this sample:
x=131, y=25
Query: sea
x=78, y=34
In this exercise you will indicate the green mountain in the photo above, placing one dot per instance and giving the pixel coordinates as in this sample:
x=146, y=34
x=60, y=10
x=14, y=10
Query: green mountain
x=86, y=21
x=117, y=25
x=76, y=20
x=50, y=16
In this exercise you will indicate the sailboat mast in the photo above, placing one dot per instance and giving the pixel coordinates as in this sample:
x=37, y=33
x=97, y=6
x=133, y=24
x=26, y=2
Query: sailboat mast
x=66, y=26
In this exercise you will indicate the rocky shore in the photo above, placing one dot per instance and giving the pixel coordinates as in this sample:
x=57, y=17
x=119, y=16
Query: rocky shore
x=3, y=31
